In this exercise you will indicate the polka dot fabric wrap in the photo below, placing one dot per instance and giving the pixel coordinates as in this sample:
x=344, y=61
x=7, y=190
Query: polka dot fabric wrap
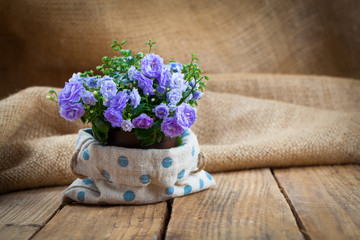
x=117, y=175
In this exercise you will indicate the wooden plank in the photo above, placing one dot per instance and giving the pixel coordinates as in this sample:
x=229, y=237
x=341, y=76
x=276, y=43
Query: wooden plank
x=244, y=205
x=23, y=213
x=107, y=222
x=325, y=198
x=20, y=232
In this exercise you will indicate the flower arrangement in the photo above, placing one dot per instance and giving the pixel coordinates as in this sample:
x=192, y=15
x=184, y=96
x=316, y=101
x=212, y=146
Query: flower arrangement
x=135, y=93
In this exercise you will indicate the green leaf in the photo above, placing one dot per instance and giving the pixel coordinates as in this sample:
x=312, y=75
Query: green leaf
x=126, y=52
x=157, y=124
x=100, y=129
x=160, y=137
x=178, y=139
x=132, y=61
x=147, y=141
x=105, y=59
x=83, y=119
x=146, y=136
x=140, y=55
x=137, y=110
x=144, y=133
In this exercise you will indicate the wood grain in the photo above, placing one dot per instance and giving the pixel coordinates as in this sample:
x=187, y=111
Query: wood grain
x=326, y=199
x=22, y=214
x=244, y=205
x=107, y=222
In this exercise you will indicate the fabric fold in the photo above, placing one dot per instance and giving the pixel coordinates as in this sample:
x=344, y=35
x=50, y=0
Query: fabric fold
x=244, y=121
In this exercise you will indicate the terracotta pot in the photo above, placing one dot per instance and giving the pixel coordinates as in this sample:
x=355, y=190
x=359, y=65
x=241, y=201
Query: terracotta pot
x=129, y=140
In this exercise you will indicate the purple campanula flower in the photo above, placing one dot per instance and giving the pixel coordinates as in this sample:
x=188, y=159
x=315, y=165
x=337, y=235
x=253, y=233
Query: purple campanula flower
x=174, y=96
x=189, y=97
x=106, y=78
x=72, y=111
x=76, y=78
x=172, y=107
x=89, y=98
x=161, y=111
x=193, y=82
x=131, y=73
x=135, y=97
x=185, y=115
x=197, y=95
x=103, y=79
x=143, y=121
x=92, y=82
x=175, y=67
x=113, y=116
x=71, y=93
x=163, y=80
x=127, y=126
x=177, y=82
x=151, y=65
x=108, y=89
x=119, y=101
x=160, y=89
x=146, y=84
x=171, y=128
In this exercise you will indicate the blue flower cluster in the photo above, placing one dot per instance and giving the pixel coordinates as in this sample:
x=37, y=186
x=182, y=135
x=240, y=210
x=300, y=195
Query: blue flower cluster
x=148, y=93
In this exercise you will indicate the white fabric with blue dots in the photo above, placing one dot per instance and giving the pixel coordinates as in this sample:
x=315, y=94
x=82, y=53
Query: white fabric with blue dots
x=118, y=175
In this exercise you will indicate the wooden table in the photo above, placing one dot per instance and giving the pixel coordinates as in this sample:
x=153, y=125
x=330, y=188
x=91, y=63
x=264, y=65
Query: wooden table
x=294, y=203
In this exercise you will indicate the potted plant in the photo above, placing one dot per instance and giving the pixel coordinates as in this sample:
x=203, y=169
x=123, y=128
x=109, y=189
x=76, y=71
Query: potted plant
x=136, y=103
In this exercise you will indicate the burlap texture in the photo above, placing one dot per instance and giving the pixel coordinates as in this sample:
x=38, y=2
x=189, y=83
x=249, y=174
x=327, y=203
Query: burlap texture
x=117, y=175
x=244, y=121
x=44, y=42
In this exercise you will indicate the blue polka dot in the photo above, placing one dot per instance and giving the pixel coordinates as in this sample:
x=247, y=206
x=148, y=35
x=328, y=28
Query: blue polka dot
x=201, y=183
x=208, y=175
x=129, y=196
x=145, y=179
x=81, y=196
x=169, y=190
x=181, y=174
x=105, y=174
x=86, y=155
x=166, y=162
x=77, y=142
x=193, y=151
x=187, y=189
x=123, y=161
x=88, y=181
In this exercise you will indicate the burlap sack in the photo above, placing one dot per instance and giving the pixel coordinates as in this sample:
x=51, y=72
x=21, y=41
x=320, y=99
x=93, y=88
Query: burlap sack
x=117, y=175
x=244, y=121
